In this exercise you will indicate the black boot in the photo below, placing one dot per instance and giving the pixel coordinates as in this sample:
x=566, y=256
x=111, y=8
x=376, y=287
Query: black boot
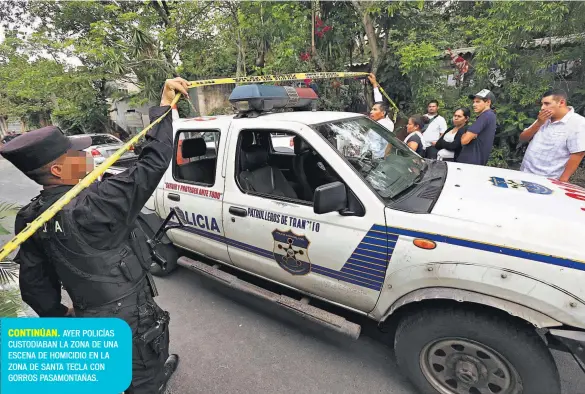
x=170, y=367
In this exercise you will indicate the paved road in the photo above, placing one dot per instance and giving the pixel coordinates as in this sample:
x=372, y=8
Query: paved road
x=230, y=342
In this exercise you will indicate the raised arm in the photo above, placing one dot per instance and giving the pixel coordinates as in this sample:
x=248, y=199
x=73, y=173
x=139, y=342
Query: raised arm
x=117, y=200
x=375, y=85
x=529, y=132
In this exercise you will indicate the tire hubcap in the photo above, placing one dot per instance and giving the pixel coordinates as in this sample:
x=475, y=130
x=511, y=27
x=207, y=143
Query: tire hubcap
x=466, y=372
x=462, y=366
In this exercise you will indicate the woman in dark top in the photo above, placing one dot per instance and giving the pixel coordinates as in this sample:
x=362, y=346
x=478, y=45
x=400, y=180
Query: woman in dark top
x=449, y=145
x=415, y=139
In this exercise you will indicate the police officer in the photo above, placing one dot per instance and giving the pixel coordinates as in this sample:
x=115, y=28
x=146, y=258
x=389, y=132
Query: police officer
x=92, y=246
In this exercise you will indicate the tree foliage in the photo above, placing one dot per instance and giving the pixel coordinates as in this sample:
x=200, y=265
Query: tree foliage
x=517, y=47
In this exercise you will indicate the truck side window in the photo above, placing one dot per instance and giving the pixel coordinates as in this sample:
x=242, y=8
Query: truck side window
x=196, y=157
x=281, y=174
x=282, y=142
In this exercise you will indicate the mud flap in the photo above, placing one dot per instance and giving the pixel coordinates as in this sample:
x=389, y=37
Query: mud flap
x=572, y=342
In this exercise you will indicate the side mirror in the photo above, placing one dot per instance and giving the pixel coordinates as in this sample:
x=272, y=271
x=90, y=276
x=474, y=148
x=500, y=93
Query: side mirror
x=330, y=198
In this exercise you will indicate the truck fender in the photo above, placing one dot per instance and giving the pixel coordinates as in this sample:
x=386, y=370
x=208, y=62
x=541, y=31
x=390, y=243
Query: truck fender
x=536, y=318
x=502, y=283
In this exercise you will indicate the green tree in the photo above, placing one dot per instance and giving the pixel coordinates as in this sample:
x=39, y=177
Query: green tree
x=518, y=45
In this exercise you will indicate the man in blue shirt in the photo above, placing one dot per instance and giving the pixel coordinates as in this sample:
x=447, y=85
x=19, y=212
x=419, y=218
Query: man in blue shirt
x=478, y=140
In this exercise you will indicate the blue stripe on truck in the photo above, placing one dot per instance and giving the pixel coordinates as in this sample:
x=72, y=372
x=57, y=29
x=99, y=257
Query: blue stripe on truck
x=367, y=265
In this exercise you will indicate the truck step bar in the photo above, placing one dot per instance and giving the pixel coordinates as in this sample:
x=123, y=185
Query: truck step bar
x=301, y=307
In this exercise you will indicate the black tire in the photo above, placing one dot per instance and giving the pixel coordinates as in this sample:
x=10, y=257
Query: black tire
x=518, y=344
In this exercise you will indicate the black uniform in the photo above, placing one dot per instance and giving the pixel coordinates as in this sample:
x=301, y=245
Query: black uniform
x=93, y=248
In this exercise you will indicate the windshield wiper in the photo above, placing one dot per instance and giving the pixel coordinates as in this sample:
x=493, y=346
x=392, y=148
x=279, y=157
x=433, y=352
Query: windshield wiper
x=418, y=180
x=428, y=180
x=421, y=174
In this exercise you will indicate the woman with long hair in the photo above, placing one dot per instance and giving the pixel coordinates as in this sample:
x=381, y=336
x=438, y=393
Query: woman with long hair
x=449, y=145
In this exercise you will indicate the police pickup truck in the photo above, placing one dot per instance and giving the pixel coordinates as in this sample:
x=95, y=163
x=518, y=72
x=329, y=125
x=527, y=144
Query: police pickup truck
x=479, y=270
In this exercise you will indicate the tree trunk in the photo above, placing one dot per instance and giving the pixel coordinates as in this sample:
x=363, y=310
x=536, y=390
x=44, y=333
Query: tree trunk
x=241, y=55
x=44, y=119
x=317, y=61
x=161, y=12
x=164, y=14
x=263, y=44
x=313, y=47
x=240, y=62
x=361, y=45
x=3, y=125
x=375, y=55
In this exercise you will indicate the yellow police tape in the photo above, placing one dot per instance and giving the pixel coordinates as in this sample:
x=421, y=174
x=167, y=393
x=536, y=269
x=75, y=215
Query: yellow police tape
x=32, y=227
x=291, y=77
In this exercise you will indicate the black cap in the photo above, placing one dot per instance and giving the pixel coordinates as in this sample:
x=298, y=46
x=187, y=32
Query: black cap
x=484, y=94
x=36, y=148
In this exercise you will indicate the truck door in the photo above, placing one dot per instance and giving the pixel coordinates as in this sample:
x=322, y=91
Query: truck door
x=194, y=184
x=272, y=230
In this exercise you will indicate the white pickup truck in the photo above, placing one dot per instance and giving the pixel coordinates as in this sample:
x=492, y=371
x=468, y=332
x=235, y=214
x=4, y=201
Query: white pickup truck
x=480, y=270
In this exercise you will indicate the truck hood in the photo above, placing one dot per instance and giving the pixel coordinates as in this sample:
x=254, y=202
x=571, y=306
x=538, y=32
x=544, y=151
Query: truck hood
x=515, y=205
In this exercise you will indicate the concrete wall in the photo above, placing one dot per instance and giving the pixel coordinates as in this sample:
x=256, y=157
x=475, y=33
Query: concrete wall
x=208, y=99
x=14, y=126
x=131, y=119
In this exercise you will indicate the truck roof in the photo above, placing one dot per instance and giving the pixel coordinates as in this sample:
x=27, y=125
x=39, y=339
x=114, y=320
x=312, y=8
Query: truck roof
x=310, y=117
x=304, y=117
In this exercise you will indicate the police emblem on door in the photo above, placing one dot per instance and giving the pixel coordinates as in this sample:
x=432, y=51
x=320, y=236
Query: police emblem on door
x=291, y=252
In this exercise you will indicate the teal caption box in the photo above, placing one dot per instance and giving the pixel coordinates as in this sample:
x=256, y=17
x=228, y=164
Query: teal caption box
x=65, y=355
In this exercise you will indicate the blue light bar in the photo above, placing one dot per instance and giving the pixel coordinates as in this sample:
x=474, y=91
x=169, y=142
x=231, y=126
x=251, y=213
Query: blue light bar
x=260, y=98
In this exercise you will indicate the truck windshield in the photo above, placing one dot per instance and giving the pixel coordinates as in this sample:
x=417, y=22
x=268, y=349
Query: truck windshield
x=386, y=163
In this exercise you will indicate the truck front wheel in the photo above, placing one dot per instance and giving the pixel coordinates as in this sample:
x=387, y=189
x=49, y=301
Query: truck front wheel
x=458, y=351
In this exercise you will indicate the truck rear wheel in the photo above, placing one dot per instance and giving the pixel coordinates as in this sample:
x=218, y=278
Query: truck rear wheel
x=454, y=351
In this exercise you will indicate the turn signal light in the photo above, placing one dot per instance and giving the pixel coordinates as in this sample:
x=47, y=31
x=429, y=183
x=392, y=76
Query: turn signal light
x=424, y=244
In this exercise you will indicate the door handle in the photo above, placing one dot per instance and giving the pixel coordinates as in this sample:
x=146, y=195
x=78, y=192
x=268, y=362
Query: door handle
x=174, y=197
x=238, y=211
